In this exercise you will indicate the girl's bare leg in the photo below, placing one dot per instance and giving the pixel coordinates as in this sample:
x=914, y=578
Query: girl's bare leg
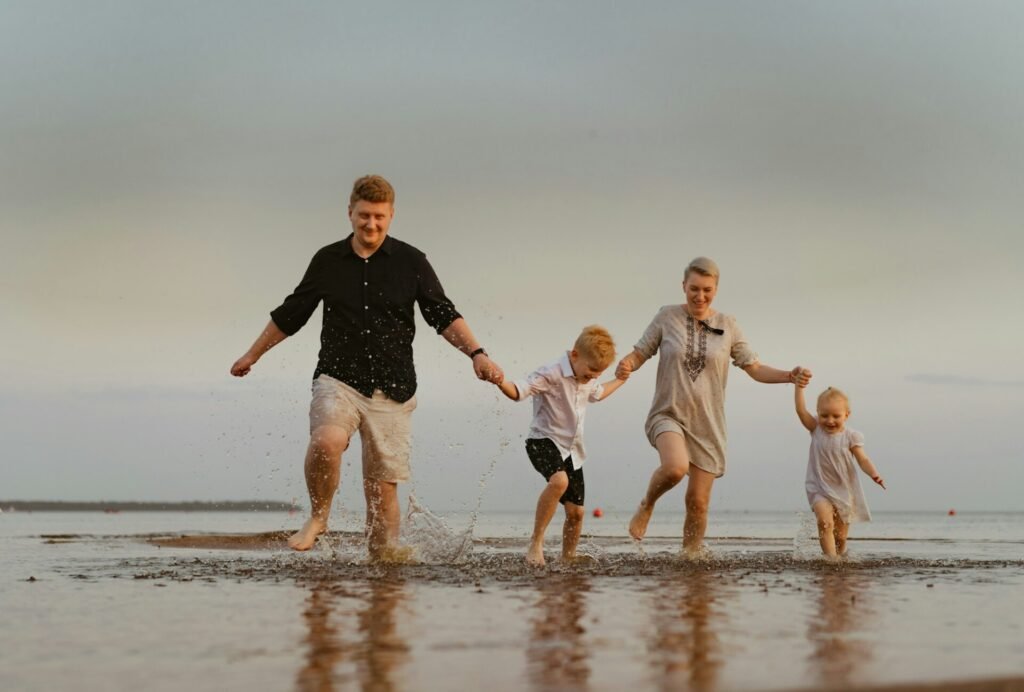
x=547, y=503
x=842, y=528
x=698, y=497
x=675, y=461
x=825, y=513
x=571, y=530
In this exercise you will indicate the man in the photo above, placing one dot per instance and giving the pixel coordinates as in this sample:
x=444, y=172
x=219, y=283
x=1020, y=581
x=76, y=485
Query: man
x=365, y=380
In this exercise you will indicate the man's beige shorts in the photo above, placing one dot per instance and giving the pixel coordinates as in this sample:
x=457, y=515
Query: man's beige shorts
x=385, y=426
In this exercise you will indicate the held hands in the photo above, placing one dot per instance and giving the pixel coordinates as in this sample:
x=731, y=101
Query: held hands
x=800, y=376
x=624, y=369
x=487, y=370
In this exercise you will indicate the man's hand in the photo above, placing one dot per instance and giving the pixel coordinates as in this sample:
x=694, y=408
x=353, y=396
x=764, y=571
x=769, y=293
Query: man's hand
x=487, y=370
x=243, y=365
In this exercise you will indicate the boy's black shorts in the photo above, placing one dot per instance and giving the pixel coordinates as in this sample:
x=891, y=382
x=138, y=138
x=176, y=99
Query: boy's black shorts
x=546, y=458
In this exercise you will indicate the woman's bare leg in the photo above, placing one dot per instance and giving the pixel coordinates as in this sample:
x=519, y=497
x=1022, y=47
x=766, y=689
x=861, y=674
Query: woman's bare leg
x=698, y=498
x=675, y=461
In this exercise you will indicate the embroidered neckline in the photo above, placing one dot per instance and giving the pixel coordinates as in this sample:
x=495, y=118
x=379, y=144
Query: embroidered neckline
x=696, y=353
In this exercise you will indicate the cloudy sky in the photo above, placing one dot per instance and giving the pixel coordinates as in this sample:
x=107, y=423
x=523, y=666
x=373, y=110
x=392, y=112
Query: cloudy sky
x=168, y=169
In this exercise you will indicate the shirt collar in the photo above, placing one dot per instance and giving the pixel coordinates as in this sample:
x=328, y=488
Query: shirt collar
x=386, y=247
x=566, y=366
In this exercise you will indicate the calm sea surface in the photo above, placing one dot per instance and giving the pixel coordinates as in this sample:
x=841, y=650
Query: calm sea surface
x=210, y=601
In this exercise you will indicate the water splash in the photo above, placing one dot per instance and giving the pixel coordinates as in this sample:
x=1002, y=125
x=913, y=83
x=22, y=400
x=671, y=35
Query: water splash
x=805, y=542
x=434, y=541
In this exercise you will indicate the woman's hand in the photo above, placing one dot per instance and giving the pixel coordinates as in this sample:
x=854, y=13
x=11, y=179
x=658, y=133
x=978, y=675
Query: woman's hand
x=800, y=376
x=624, y=369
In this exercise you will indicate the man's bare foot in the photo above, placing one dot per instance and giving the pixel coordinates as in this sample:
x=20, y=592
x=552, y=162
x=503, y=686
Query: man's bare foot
x=305, y=538
x=638, y=524
x=535, y=556
x=393, y=554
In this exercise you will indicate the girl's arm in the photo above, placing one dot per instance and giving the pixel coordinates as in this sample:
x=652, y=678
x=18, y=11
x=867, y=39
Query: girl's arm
x=809, y=421
x=766, y=374
x=609, y=387
x=866, y=466
x=509, y=389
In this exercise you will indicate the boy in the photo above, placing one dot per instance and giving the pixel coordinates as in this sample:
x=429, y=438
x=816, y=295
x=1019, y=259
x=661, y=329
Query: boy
x=561, y=391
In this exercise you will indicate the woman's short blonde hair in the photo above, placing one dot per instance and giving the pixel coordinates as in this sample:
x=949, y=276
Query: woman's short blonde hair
x=595, y=345
x=702, y=265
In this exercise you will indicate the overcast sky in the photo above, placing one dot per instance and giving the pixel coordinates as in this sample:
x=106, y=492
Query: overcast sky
x=168, y=169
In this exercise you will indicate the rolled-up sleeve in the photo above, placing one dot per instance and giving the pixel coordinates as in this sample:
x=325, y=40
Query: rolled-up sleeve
x=534, y=383
x=740, y=351
x=437, y=310
x=596, y=392
x=650, y=342
x=297, y=308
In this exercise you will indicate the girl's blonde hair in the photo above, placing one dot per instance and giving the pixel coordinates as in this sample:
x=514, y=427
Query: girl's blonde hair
x=832, y=393
x=595, y=345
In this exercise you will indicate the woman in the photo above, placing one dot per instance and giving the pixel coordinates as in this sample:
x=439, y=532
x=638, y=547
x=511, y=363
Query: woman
x=686, y=423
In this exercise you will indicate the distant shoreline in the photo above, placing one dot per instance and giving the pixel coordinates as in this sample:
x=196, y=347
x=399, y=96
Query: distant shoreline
x=99, y=506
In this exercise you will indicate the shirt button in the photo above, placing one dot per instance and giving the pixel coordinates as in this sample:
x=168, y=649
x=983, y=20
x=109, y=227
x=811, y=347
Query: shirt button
x=366, y=283
x=366, y=307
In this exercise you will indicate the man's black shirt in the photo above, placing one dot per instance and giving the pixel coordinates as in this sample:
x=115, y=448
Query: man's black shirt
x=369, y=323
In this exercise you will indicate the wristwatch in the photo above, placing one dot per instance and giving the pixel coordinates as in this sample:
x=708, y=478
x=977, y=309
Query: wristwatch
x=479, y=351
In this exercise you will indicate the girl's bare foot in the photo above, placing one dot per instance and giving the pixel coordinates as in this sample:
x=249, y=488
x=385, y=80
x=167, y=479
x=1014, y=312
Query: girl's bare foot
x=535, y=555
x=638, y=524
x=394, y=555
x=305, y=538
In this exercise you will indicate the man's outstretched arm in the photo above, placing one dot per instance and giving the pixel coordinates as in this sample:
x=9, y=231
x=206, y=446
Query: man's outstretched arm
x=459, y=335
x=271, y=336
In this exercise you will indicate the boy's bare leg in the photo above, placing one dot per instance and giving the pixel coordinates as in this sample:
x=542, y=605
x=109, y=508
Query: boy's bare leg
x=547, y=503
x=323, y=473
x=825, y=513
x=383, y=520
x=675, y=461
x=698, y=497
x=842, y=528
x=571, y=530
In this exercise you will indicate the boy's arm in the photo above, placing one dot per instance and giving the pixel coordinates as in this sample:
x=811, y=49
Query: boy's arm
x=509, y=389
x=866, y=466
x=809, y=421
x=610, y=386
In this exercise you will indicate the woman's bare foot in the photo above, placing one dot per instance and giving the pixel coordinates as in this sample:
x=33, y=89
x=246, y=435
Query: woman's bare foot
x=535, y=555
x=638, y=524
x=305, y=538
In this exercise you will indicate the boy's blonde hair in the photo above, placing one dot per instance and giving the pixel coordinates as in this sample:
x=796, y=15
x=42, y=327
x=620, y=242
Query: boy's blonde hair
x=595, y=345
x=372, y=188
x=832, y=393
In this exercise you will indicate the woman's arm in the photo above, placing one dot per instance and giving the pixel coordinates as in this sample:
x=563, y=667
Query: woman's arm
x=866, y=466
x=766, y=374
x=809, y=421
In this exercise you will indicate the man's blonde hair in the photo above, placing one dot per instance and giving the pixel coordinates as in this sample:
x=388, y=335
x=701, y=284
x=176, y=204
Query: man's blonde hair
x=595, y=345
x=831, y=393
x=372, y=188
x=702, y=265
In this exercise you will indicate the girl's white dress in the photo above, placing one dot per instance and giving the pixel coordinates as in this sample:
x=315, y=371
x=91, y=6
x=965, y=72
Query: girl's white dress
x=833, y=473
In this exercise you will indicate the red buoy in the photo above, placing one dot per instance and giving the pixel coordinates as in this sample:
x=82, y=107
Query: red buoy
x=598, y=512
x=952, y=512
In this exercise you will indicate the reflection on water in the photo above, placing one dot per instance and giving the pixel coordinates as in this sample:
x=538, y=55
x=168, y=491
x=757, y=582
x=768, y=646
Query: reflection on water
x=557, y=653
x=685, y=649
x=352, y=640
x=838, y=631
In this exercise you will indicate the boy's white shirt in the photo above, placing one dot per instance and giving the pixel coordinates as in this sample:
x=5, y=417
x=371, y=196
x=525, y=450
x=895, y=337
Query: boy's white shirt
x=559, y=406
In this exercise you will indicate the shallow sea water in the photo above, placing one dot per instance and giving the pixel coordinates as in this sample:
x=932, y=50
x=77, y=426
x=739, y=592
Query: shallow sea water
x=170, y=601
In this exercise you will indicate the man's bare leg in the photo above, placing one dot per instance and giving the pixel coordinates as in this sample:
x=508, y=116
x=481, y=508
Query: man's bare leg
x=571, y=530
x=675, y=461
x=383, y=521
x=547, y=503
x=698, y=497
x=323, y=473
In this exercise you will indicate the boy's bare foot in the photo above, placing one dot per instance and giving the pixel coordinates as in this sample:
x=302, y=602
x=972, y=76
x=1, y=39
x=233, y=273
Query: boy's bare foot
x=638, y=524
x=535, y=556
x=305, y=538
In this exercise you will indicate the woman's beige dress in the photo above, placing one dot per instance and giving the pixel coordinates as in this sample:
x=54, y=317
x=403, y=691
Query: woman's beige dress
x=689, y=395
